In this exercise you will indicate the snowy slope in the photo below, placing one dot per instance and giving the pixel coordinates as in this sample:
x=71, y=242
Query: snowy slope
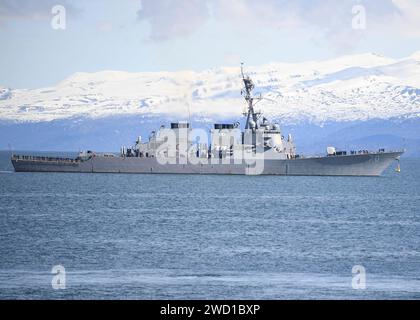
x=350, y=88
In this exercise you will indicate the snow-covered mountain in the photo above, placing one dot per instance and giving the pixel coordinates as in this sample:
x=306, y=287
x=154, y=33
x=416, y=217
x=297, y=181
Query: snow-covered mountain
x=356, y=87
x=357, y=101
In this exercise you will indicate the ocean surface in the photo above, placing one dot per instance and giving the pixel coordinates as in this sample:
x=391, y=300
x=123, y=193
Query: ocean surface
x=209, y=237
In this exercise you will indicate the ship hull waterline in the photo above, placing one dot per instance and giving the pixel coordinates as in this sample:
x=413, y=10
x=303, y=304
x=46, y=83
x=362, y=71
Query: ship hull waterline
x=371, y=164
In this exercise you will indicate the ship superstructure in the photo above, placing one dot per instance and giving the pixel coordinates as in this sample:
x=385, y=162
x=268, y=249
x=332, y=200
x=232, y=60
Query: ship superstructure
x=225, y=141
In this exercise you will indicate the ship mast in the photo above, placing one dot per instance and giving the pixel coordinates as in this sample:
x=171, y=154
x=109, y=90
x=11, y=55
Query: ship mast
x=251, y=115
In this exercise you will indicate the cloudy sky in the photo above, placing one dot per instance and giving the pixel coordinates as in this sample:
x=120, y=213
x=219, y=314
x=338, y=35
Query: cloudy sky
x=158, y=35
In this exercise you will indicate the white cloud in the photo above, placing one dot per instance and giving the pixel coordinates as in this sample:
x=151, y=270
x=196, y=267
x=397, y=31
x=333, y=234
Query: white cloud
x=409, y=16
x=170, y=18
x=330, y=19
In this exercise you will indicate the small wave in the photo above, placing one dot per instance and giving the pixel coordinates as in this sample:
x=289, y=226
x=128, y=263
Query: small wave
x=6, y=171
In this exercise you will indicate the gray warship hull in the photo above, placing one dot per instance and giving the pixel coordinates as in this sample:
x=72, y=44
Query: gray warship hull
x=260, y=148
x=370, y=164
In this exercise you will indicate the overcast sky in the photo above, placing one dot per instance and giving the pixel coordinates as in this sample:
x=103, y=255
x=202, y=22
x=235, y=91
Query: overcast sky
x=161, y=35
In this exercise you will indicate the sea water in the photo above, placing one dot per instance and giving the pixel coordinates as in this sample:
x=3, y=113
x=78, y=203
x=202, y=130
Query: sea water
x=209, y=237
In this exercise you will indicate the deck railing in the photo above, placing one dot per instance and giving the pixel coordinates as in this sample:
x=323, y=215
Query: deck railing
x=43, y=159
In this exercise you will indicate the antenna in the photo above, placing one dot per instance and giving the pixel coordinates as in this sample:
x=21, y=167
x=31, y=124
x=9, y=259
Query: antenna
x=251, y=116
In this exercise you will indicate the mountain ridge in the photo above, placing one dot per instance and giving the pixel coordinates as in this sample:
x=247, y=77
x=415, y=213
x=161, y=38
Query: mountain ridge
x=353, y=87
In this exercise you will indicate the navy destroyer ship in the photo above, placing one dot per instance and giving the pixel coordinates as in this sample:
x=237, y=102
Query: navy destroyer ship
x=260, y=148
